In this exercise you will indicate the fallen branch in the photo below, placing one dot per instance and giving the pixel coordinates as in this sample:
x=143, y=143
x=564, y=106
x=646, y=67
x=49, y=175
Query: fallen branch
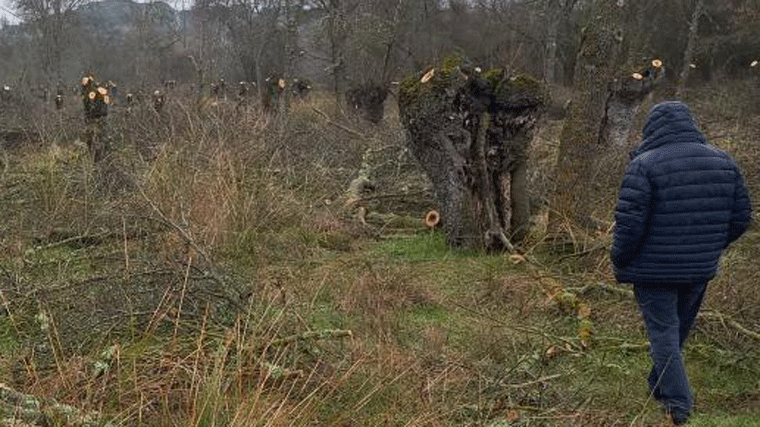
x=708, y=315
x=604, y=246
x=603, y=286
x=387, y=196
x=85, y=239
x=207, y=273
x=186, y=237
x=338, y=125
x=714, y=315
x=633, y=347
x=277, y=372
x=569, y=342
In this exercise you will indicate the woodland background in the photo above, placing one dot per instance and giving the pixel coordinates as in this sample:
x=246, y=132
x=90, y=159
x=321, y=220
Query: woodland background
x=225, y=277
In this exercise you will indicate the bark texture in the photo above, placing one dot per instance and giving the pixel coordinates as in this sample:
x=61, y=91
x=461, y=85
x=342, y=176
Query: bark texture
x=609, y=92
x=691, y=46
x=470, y=132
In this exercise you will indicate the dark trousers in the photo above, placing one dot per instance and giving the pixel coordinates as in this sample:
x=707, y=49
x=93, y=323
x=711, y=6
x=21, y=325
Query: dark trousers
x=669, y=313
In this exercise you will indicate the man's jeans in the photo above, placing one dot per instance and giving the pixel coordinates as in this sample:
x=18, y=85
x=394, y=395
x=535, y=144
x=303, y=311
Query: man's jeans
x=669, y=313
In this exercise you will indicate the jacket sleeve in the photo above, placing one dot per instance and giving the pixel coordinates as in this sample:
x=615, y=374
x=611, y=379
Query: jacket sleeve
x=631, y=215
x=741, y=214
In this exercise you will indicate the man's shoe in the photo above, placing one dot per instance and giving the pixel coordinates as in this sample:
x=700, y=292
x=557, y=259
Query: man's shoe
x=679, y=417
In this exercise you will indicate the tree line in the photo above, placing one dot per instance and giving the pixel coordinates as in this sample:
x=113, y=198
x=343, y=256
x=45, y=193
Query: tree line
x=343, y=43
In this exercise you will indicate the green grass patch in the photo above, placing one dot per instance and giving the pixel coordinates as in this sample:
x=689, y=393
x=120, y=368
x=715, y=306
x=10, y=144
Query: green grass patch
x=431, y=246
x=8, y=339
x=326, y=317
x=425, y=315
x=724, y=420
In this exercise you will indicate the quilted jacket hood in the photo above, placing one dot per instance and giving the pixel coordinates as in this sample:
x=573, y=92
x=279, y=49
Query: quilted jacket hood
x=668, y=122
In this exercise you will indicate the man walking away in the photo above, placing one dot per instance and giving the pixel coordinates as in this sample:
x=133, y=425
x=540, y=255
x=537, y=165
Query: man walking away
x=682, y=202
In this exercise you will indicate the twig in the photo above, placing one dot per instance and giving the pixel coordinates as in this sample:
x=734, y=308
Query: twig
x=388, y=196
x=182, y=298
x=338, y=125
x=63, y=242
x=536, y=381
x=7, y=309
x=518, y=328
x=190, y=241
x=584, y=253
x=633, y=347
x=622, y=345
x=186, y=237
x=729, y=321
x=277, y=372
x=603, y=286
x=209, y=275
x=45, y=411
x=103, y=278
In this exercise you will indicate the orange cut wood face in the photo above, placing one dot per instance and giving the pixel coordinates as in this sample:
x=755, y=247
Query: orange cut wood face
x=432, y=219
x=429, y=75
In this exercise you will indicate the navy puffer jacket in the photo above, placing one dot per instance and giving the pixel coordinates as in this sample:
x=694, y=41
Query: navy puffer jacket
x=682, y=201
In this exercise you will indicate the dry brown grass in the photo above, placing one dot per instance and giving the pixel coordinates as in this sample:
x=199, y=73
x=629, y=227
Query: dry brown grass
x=167, y=297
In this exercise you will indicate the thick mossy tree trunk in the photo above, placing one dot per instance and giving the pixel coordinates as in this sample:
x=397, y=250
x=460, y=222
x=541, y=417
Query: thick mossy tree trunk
x=608, y=93
x=470, y=132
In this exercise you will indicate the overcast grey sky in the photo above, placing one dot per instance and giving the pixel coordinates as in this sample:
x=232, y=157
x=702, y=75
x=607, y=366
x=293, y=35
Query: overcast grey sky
x=6, y=11
x=6, y=7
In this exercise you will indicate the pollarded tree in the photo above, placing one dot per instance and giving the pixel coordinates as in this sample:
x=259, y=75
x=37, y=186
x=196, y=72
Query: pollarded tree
x=690, y=46
x=470, y=132
x=608, y=93
x=290, y=57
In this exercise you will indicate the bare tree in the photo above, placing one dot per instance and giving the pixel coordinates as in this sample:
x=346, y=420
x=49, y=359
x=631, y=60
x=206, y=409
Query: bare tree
x=558, y=12
x=52, y=20
x=690, y=46
x=155, y=34
x=336, y=27
x=256, y=36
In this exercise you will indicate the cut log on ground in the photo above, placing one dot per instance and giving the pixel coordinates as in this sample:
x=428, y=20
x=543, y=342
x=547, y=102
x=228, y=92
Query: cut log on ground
x=470, y=131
